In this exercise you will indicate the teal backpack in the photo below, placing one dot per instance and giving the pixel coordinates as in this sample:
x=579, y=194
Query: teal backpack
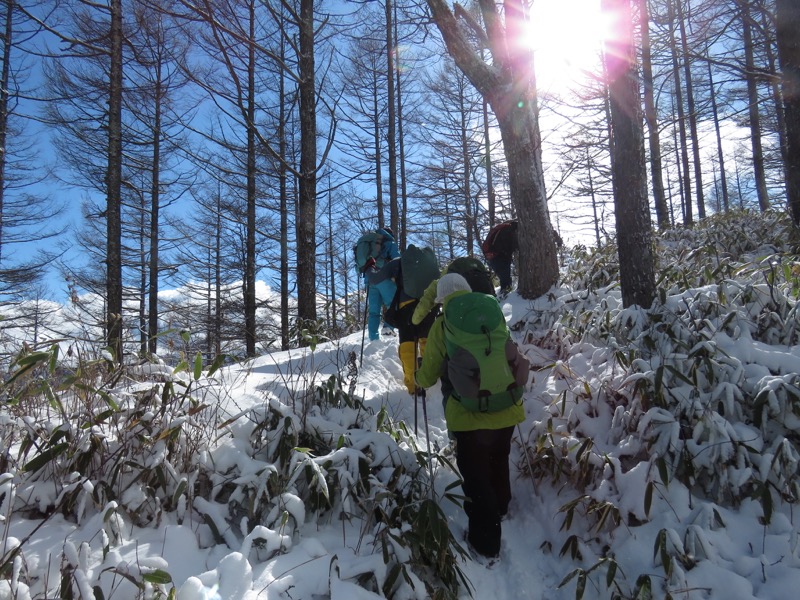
x=419, y=267
x=484, y=366
x=369, y=245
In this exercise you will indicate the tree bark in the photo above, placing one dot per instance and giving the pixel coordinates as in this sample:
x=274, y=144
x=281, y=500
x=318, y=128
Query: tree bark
x=391, y=142
x=155, y=206
x=662, y=213
x=509, y=85
x=306, y=222
x=788, y=24
x=723, y=176
x=629, y=175
x=690, y=105
x=403, y=240
x=752, y=98
x=283, y=174
x=114, y=188
x=686, y=184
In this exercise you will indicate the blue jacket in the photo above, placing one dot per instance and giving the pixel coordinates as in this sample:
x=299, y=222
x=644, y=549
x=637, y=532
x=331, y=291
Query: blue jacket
x=389, y=251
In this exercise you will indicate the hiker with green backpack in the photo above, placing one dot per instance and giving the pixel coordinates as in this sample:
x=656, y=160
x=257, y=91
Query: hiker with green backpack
x=411, y=273
x=372, y=251
x=473, y=270
x=483, y=378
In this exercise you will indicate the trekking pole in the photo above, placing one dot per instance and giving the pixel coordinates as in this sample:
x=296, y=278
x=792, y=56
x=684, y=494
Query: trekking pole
x=364, y=325
x=416, y=389
x=428, y=441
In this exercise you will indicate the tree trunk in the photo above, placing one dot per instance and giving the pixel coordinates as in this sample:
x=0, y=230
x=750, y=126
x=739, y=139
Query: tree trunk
x=250, y=240
x=114, y=188
x=283, y=174
x=376, y=135
x=487, y=157
x=403, y=241
x=469, y=218
x=752, y=99
x=155, y=201
x=629, y=175
x=391, y=142
x=775, y=82
x=690, y=105
x=510, y=88
x=686, y=184
x=788, y=24
x=4, y=88
x=723, y=177
x=662, y=214
x=307, y=219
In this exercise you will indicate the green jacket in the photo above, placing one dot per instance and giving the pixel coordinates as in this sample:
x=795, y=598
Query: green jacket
x=458, y=418
x=425, y=304
x=428, y=301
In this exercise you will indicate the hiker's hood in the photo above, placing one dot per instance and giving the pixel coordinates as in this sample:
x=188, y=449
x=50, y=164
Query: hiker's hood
x=452, y=282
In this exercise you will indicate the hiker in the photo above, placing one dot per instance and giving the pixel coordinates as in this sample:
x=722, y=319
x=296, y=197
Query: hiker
x=411, y=274
x=483, y=377
x=373, y=250
x=473, y=270
x=498, y=248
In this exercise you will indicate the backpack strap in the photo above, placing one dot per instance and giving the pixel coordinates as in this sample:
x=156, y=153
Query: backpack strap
x=497, y=402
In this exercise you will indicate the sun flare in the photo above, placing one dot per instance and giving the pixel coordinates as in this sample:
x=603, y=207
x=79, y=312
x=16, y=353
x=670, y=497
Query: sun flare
x=567, y=37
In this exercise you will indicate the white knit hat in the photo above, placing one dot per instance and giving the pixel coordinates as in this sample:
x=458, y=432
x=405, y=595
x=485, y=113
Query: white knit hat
x=452, y=282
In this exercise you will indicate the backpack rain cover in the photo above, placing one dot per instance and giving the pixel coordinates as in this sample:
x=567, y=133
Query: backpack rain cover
x=484, y=365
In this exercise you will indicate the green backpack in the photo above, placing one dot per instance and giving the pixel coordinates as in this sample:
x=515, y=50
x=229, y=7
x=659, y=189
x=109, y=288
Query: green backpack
x=419, y=267
x=484, y=366
x=475, y=272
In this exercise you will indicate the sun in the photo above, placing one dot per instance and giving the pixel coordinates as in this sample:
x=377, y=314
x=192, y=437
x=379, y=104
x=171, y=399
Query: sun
x=567, y=37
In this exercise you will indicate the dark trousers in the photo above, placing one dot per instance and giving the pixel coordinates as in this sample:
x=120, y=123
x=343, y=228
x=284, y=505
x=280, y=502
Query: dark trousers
x=482, y=459
x=501, y=265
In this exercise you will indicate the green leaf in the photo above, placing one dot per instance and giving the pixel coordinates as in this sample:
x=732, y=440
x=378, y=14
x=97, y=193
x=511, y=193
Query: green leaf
x=27, y=363
x=218, y=362
x=643, y=589
x=179, y=491
x=611, y=573
x=580, y=588
x=391, y=579
x=180, y=367
x=584, y=446
x=158, y=576
x=648, y=497
x=680, y=375
x=213, y=527
x=51, y=367
x=569, y=577
x=766, y=503
x=198, y=365
x=45, y=457
x=662, y=470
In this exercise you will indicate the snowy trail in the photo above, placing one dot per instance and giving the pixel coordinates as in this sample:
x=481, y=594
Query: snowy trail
x=518, y=574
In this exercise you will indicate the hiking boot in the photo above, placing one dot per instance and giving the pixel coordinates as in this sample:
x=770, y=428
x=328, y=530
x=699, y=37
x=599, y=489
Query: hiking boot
x=387, y=331
x=487, y=561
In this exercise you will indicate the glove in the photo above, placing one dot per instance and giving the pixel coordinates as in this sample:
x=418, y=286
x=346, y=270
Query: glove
x=368, y=265
x=420, y=392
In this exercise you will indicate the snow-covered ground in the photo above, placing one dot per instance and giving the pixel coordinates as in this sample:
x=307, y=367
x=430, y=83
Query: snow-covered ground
x=726, y=552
